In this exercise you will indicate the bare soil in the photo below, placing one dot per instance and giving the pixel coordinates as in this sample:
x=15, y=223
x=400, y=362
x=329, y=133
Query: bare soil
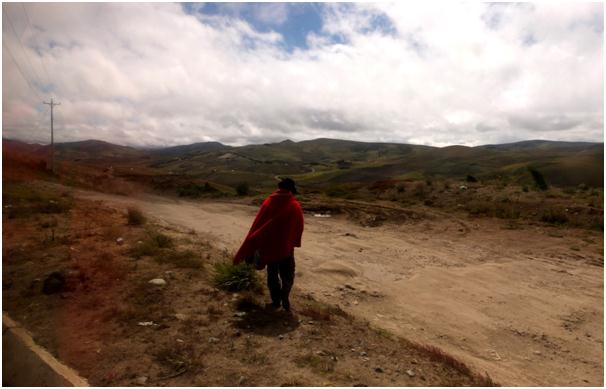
x=117, y=329
x=521, y=302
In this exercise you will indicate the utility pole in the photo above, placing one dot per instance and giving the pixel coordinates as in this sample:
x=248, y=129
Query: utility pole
x=52, y=104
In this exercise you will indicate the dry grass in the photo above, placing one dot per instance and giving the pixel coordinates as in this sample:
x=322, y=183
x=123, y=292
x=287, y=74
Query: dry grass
x=317, y=363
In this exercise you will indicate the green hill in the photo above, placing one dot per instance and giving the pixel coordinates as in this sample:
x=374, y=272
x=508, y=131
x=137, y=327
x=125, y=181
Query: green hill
x=321, y=163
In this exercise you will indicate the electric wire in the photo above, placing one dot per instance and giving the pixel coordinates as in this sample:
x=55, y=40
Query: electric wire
x=21, y=71
x=40, y=57
x=38, y=78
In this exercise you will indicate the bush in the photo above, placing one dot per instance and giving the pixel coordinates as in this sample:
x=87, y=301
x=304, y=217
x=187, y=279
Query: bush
x=242, y=189
x=147, y=248
x=471, y=178
x=555, y=216
x=135, y=217
x=162, y=241
x=191, y=189
x=235, y=278
x=538, y=178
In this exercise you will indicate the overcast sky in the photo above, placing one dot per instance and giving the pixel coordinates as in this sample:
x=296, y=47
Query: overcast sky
x=168, y=74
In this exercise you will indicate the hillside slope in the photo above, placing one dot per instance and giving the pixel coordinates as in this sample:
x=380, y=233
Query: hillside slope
x=324, y=162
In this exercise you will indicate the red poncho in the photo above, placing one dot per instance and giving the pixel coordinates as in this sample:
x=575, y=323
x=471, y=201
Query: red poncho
x=276, y=231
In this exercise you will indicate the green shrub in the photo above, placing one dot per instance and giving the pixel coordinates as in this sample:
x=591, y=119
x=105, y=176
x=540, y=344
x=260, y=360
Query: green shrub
x=235, y=278
x=242, y=189
x=135, y=217
x=538, y=178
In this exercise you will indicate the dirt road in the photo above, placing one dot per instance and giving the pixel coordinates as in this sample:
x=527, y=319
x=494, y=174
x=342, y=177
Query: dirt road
x=524, y=305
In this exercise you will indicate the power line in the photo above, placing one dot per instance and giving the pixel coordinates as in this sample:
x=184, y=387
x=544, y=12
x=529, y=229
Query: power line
x=40, y=56
x=21, y=70
x=38, y=78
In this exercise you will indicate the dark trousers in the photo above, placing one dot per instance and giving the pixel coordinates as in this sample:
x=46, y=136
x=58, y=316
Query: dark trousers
x=283, y=270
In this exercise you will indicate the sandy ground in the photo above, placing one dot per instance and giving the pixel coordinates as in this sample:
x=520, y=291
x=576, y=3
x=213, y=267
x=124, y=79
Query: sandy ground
x=523, y=305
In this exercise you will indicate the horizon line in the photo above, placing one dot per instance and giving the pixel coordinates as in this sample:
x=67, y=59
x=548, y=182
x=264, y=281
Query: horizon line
x=296, y=142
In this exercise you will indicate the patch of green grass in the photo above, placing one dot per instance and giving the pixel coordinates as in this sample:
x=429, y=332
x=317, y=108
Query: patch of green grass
x=185, y=259
x=135, y=217
x=146, y=248
x=163, y=241
x=195, y=190
x=21, y=201
x=235, y=278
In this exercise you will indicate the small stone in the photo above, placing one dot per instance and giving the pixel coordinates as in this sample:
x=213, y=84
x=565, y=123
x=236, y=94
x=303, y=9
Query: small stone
x=241, y=380
x=311, y=322
x=414, y=361
x=181, y=316
x=240, y=314
x=320, y=353
x=378, y=370
x=237, y=334
x=410, y=373
x=280, y=337
x=356, y=302
x=180, y=341
x=157, y=281
x=537, y=352
x=363, y=354
x=212, y=339
x=145, y=323
x=141, y=380
x=349, y=287
x=120, y=241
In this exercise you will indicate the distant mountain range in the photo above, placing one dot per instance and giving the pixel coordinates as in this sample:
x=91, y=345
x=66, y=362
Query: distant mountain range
x=324, y=162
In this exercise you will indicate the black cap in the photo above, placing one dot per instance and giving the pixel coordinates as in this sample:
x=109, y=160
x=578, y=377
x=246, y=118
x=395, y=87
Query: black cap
x=288, y=183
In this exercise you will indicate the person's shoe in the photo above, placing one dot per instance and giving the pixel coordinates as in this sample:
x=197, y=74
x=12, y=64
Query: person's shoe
x=272, y=306
x=286, y=305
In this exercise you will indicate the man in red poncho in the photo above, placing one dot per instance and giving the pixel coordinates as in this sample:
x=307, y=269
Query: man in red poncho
x=274, y=234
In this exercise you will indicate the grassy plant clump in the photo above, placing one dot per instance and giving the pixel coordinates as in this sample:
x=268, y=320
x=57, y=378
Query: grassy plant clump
x=135, y=217
x=235, y=278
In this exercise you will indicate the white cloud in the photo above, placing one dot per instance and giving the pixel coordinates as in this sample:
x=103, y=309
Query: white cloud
x=150, y=74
